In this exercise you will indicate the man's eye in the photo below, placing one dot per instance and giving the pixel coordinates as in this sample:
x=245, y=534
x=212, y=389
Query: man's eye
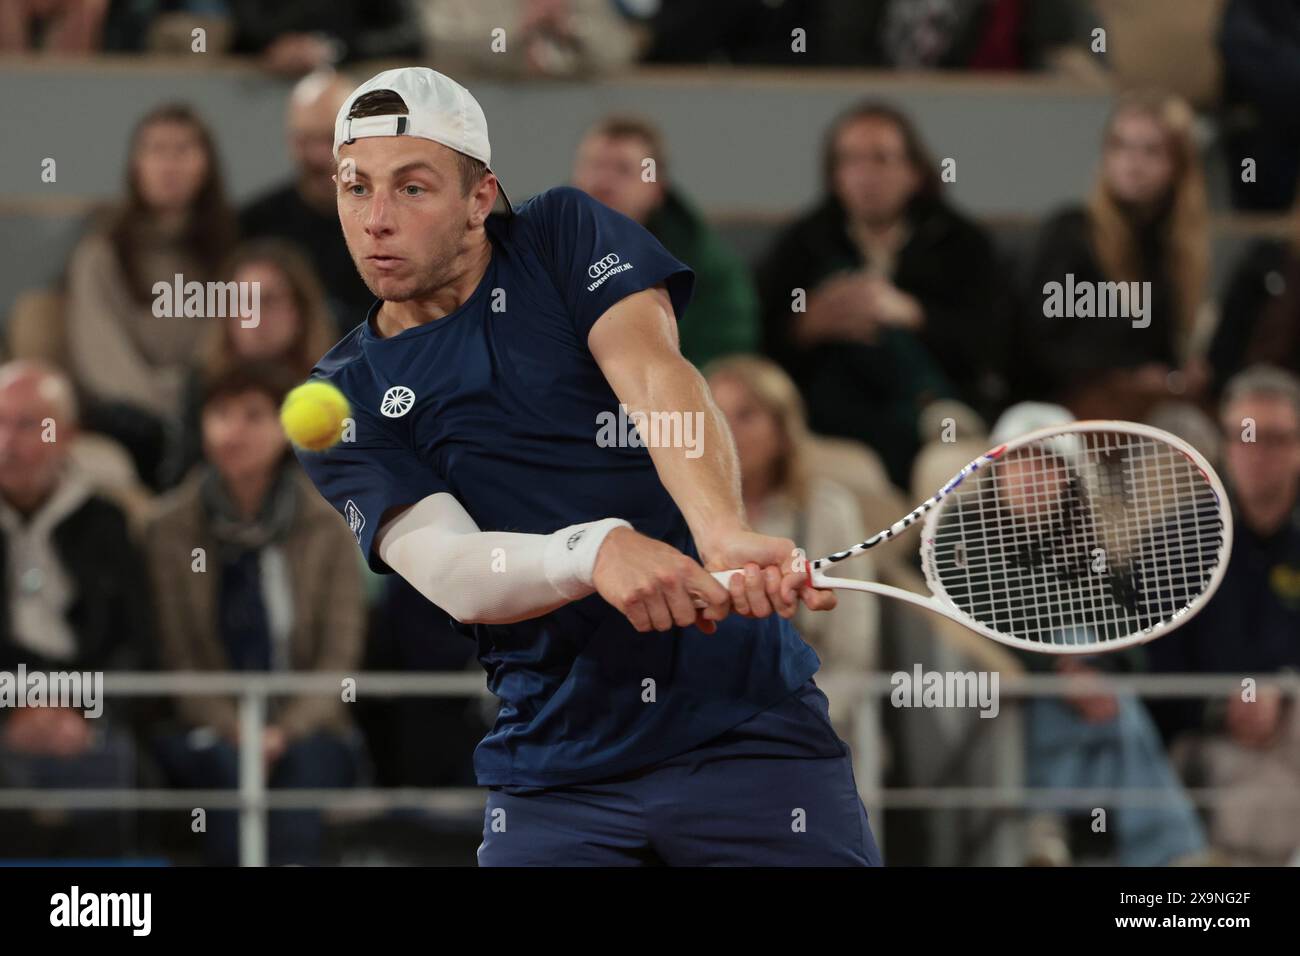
x=413, y=190
x=354, y=187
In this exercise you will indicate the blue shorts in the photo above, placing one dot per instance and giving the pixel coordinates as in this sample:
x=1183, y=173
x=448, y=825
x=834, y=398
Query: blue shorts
x=776, y=790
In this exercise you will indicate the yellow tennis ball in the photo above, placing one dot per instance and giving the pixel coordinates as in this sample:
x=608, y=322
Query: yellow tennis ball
x=313, y=415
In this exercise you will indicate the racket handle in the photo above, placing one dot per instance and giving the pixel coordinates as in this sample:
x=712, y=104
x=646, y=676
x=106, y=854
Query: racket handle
x=724, y=577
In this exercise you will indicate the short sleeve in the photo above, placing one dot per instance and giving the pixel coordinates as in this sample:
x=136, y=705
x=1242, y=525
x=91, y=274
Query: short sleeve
x=363, y=479
x=597, y=256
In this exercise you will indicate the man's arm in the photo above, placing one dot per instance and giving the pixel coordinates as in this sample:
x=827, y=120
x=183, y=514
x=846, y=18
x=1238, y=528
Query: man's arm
x=499, y=577
x=635, y=344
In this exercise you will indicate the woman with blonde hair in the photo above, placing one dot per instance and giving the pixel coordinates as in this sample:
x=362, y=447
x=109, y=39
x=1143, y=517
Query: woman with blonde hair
x=782, y=497
x=1112, y=351
x=293, y=329
x=129, y=364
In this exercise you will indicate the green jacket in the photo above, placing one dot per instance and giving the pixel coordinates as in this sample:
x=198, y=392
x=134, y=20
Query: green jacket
x=723, y=315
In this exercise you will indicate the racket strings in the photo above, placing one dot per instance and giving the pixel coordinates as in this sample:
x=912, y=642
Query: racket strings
x=1080, y=538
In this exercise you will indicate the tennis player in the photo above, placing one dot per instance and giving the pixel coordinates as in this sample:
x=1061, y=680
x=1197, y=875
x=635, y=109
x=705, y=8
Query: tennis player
x=648, y=714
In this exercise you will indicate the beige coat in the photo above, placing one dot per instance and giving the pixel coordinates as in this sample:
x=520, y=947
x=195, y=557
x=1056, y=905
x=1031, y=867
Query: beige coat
x=847, y=638
x=328, y=605
x=118, y=349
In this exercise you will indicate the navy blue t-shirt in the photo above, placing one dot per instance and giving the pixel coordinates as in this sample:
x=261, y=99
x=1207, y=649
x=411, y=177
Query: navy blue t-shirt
x=499, y=404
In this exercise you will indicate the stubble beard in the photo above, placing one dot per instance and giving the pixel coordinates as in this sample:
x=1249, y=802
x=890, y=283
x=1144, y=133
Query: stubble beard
x=425, y=279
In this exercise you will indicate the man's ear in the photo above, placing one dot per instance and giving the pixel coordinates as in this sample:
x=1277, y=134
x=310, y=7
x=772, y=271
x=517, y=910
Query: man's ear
x=482, y=199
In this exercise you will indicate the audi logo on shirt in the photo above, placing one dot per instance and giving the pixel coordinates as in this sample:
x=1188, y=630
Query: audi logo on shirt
x=597, y=269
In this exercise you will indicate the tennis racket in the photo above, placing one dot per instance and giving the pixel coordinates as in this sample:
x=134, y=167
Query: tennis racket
x=1073, y=539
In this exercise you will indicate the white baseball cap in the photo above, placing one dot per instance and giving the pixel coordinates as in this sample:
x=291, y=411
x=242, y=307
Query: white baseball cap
x=1027, y=417
x=437, y=108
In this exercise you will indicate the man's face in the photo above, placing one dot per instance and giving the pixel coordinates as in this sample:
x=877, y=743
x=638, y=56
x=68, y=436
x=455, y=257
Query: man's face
x=1265, y=472
x=609, y=169
x=873, y=176
x=29, y=465
x=311, y=141
x=404, y=216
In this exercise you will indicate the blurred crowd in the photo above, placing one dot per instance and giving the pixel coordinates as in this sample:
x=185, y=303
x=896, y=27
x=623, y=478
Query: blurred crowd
x=557, y=37
x=169, y=527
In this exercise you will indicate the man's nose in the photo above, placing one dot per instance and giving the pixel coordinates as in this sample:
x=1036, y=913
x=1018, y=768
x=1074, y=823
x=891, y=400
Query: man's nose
x=378, y=221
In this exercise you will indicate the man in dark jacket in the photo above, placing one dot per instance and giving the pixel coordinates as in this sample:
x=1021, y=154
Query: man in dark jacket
x=1251, y=627
x=621, y=162
x=1260, y=45
x=304, y=211
x=74, y=600
x=882, y=298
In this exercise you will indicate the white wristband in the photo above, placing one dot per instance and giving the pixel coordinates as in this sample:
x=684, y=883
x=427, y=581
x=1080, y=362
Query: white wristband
x=570, y=558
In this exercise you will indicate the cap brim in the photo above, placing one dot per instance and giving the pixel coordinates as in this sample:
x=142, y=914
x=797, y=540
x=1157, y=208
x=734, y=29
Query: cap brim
x=501, y=191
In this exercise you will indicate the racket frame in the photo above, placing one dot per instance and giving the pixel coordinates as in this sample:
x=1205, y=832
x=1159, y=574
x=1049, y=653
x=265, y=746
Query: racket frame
x=931, y=510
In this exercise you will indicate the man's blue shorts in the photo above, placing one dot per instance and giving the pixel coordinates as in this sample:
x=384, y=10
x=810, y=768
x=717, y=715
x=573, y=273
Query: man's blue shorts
x=776, y=790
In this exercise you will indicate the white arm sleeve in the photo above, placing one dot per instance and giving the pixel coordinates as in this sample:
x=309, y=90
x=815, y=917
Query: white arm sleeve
x=489, y=577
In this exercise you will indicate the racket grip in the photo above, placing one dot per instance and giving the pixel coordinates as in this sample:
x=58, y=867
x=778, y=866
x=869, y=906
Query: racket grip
x=724, y=577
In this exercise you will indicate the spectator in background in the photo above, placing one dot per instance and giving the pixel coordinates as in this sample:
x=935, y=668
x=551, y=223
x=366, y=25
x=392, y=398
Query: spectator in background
x=883, y=297
x=294, y=328
x=55, y=26
x=294, y=37
x=74, y=598
x=280, y=591
x=305, y=211
x=903, y=34
x=542, y=37
x=783, y=499
x=611, y=166
x=1260, y=44
x=1091, y=739
x=130, y=362
x=1251, y=627
x=952, y=34
x=1146, y=221
x=1260, y=320
x=731, y=31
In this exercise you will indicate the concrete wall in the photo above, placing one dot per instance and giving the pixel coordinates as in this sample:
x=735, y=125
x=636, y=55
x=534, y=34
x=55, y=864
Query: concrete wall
x=743, y=144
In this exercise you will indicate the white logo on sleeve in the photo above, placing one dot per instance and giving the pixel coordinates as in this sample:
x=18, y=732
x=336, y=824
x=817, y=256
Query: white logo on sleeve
x=597, y=269
x=356, y=520
x=397, y=401
x=602, y=269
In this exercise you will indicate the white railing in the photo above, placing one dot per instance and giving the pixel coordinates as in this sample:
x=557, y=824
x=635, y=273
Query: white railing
x=253, y=799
